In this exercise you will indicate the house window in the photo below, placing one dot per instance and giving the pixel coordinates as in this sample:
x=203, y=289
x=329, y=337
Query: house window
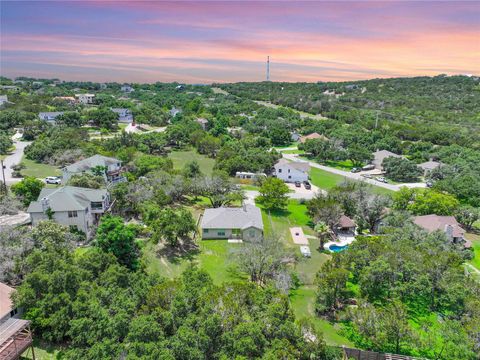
x=221, y=233
x=72, y=214
x=289, y=171
x=205, y=231
x=279, y=170
x=251, y=233
x=289, y=176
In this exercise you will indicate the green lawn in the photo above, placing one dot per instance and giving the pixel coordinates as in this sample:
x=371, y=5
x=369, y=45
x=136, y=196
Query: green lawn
x=303, y=304
x=39, y=170
x=180, y=158
x=475, y=239
x=326, y=180
x=42, y=352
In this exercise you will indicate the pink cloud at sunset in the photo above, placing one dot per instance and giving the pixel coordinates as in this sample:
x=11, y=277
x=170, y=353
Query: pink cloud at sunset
x=229, y=41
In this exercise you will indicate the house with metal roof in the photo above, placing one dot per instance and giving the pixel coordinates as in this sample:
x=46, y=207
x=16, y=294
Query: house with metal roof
x=112, y=166
x=291, y=171
x=75, y=207
x=50, y=116
x=243, y=223
x=124, y=115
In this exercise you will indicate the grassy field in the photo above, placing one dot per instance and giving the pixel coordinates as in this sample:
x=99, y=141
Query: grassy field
x=39, y=170
x=303, y=304
x=216, y=257
x=475, y=239
x=180, y=158
x=326, y=180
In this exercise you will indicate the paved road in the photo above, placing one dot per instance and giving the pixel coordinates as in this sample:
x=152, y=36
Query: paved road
x=354, y=176
x=14, y=158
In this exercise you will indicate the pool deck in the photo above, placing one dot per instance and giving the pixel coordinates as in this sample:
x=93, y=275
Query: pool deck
x=343, y=241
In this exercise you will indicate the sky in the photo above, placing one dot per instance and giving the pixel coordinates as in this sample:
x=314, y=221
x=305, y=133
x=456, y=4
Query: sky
x=229, y=41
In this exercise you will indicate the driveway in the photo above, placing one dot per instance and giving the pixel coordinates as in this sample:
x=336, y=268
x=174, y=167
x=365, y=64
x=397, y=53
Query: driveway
x=14, y=158
x=353, y=176
x=298, y=193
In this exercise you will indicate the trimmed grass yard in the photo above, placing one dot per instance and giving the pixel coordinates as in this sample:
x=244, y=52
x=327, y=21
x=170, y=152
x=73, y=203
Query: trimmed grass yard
x=180, y=158
x=39, y=170
x=326, y=180
x=303, y=304
x=475, y=239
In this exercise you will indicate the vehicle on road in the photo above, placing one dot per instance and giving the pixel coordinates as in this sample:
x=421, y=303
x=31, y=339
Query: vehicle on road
x=298, y=184
x=367, y=176
x=355, y=170
x=53, y=180
x=381, y=179
x=307, y=185
x=368, y=167
x=429, y=184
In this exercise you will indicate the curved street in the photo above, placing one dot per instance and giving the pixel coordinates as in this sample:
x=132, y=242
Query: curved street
x=14, y=158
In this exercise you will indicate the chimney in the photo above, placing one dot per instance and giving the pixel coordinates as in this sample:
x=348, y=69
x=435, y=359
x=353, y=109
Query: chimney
x=45, y=204
x=449, y=232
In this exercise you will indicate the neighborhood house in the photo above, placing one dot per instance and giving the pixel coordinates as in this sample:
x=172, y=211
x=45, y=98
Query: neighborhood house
x=85, y=98
x=3, y=99
x=124, y=115
x=112, y=173
x=203, y=123
x=447, y=224
x=50, y=116
x=380, y=155
x=127, y=89
x=75, y=207
x=244, y=223
x=312, y=136
x=291, y=171
x=429, y=166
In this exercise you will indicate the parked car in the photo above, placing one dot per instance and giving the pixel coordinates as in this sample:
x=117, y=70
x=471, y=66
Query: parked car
x=368, y=167
x=429, y=183
x=381, y=179
x=53, y=180
x=307, y=185
x=298, y=184
x=355, y=170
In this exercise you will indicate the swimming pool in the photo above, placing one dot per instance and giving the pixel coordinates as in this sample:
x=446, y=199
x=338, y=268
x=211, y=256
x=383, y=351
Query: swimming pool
x=336, y=248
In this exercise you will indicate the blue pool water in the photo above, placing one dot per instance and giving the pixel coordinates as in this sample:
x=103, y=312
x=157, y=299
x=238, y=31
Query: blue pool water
x=336, y=248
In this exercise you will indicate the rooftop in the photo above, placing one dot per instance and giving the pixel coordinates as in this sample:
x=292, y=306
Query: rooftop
x=5, y=302
x=91, y=162
x=436, y=222
x=232, y=218
x=299, y=165
x=67, y=198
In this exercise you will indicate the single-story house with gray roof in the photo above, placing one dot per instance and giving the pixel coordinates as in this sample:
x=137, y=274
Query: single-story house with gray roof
x=124, y=115
x=243, y=223
x=72, y=206
x=50, y=116
x=380, y=155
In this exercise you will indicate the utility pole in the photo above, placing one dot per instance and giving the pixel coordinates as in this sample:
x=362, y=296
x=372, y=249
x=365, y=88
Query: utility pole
x=4, y=186
x=268, y=68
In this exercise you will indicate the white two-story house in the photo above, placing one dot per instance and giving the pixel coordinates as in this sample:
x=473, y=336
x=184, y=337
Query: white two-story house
x=291, y=171
x=75, y=207
x=85, y=99
x=112, y=166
